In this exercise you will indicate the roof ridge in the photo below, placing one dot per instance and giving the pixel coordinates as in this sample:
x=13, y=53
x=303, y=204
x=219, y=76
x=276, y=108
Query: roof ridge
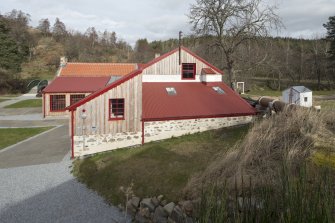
x=102, y=63
x=105, y=89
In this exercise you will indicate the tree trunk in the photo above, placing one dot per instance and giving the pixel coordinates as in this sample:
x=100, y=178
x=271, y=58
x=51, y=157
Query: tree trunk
x=231, y=77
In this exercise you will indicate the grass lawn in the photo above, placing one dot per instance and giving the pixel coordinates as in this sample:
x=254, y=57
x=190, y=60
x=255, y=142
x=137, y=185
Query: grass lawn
x=10, y=136
x=324, y=93
x=258, y=92
x=325, y=104
x=155, y=168
x=2, y=100
x=264, y=92
x=30, y=103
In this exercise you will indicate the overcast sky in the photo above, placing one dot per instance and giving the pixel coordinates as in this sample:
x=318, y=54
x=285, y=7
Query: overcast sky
x=160, y=19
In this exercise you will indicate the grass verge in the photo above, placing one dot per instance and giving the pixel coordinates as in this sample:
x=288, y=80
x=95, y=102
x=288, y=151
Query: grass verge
x=156, y=168
x=326, y=104
x=10, y=136
x=30, y=103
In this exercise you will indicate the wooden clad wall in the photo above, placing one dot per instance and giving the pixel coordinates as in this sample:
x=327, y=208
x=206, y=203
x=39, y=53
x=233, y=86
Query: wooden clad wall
x=97, y=110
x=170, y=65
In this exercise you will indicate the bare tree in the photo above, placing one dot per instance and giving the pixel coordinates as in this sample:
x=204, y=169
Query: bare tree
x=233, y=22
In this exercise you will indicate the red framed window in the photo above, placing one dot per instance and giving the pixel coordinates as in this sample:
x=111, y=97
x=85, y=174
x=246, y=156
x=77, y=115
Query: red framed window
x=74, y=98
x=116, y=109
x=57, y=102
x=188, y=71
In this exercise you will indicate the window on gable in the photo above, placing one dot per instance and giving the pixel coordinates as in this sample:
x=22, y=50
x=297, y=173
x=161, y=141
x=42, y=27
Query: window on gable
x=171, y=91
x=305, y=99
x=74, y=98
x=218, y=90
x=57, y=102
x=116, y=109
x=188, y=71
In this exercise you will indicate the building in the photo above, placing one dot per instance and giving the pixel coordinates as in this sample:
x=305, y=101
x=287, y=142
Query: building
x=75, y=81
x=298, y=95
x=170, y=96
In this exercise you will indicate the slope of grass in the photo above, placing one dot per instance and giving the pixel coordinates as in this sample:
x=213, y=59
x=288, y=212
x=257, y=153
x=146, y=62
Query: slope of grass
x=155, y=168
x=10, y=136
x=30, y=103
x=326, y=104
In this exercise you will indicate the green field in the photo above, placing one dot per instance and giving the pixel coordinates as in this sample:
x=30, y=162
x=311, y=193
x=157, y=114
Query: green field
x=10, y=136
x=30, y=103
x=3, y=99
x=162, y=167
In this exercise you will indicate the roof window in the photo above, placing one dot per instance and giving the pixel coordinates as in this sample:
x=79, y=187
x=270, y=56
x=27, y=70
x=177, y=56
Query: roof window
x=218, y=90
x=171, y=91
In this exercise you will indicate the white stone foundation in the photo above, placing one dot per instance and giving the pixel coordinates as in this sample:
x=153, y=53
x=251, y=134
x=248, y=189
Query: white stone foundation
x=153, y=131
x=166, y=129
x=102, y=143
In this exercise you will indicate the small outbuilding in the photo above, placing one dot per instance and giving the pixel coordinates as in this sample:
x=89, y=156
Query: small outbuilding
x=299, y=95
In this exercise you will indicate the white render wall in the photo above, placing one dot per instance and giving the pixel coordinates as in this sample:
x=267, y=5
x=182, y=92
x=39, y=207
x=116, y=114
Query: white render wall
x=167, y=78
x=177, y=78
x=159, y=130
x=211, y=77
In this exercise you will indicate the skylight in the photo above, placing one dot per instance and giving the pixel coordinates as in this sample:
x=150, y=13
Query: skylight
x=218, y=90
x=171, y=91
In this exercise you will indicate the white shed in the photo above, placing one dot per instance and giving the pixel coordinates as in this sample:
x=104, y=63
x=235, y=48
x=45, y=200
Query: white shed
x=298, y=95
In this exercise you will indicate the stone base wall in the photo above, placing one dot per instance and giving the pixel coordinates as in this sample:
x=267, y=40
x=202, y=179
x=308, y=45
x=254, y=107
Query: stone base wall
x=102, y=143
x=153, y=131
x=166, y=129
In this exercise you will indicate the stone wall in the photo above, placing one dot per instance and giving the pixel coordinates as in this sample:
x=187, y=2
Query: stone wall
x=101, y=143
x=166, y=129
x=153, y=131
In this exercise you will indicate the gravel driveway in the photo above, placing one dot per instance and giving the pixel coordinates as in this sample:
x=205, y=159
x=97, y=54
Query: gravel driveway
x=36, y=184
x=49, y=193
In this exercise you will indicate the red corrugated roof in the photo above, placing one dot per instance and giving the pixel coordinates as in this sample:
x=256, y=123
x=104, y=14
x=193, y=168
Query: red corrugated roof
x=76, y=84
x=97, y=69
x=193, y=100
x=207, y=71
x=135, y=73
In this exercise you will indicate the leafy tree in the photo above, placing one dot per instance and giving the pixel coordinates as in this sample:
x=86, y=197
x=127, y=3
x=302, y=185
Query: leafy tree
x=330, y=26
x=232, y=23
x=10, y=56
x=59, y=30
x=44, y=26
x=18, y=22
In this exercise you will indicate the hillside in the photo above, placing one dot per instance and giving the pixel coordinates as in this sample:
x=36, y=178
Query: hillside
x=34, y=52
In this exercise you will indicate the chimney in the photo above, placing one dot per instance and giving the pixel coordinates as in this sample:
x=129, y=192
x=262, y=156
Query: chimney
x=157, y=55
x=63, y=61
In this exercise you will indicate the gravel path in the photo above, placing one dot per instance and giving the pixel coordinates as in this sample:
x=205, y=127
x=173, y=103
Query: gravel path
x=49, y=193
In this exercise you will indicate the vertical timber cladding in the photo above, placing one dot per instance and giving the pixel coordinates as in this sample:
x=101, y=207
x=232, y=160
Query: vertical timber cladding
x=97, y=110
x=170, y=64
